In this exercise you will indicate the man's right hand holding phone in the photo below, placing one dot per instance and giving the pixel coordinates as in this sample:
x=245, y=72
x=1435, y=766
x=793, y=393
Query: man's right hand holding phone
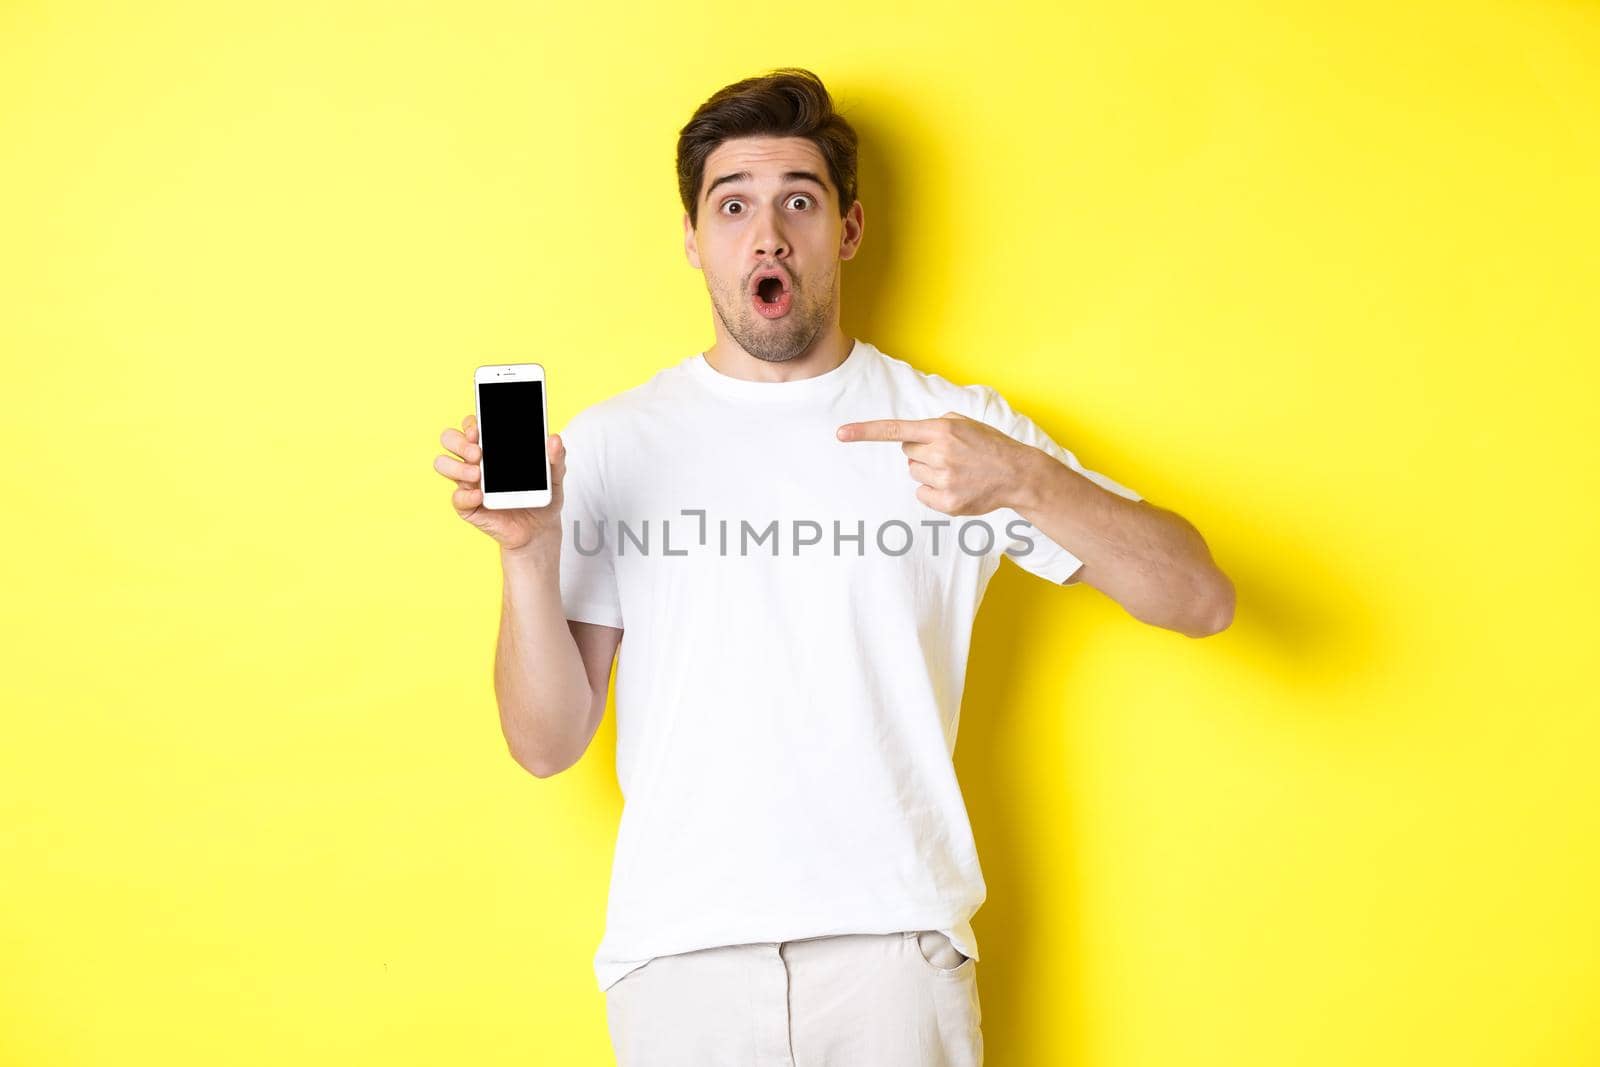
x=547, y=670
x=519, y=531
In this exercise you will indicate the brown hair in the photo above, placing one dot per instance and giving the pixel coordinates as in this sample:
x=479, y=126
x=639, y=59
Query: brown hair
x=788, y=102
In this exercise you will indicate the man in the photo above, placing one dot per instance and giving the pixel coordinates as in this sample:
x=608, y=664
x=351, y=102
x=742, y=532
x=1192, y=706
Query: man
x=795, y=530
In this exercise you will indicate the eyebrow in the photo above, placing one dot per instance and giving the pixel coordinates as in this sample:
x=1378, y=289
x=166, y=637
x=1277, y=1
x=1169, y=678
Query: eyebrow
x=788, y=176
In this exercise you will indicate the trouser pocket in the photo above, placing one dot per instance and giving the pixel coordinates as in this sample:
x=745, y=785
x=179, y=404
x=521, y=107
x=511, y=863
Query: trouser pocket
x=937, y=952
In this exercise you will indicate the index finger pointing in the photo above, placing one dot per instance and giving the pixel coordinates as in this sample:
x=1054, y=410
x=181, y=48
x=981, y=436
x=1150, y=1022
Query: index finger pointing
x=886, y=430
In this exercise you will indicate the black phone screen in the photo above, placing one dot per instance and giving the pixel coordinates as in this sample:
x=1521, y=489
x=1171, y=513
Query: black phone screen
x=511, y=433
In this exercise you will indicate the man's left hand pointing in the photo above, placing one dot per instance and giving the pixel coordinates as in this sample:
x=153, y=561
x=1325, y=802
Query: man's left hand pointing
x=963, y=466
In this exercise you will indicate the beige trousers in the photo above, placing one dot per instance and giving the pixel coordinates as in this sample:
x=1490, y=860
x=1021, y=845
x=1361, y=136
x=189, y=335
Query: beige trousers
x=849, y=1000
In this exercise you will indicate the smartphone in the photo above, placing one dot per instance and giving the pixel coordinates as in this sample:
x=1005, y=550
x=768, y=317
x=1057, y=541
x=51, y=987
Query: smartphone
x=514, y=471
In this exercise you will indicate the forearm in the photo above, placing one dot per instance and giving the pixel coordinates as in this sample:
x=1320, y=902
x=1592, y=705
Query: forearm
x=1150, y=560
x=539, y=678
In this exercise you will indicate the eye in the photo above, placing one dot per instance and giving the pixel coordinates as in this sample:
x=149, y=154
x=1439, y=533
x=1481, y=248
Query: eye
x=801, y=196
x=728, y=204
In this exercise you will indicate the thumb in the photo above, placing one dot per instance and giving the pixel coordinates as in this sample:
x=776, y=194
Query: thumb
x=556, y=449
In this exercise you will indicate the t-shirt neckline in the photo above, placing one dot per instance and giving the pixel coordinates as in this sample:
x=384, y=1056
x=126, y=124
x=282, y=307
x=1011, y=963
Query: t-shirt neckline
x=799, y=389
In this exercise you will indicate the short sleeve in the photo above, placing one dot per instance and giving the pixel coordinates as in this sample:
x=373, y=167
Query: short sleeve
x=1033, y=551
x=588, y=575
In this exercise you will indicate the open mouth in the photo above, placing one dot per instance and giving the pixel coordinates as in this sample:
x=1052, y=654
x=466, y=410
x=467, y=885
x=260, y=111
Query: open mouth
x=770, y=295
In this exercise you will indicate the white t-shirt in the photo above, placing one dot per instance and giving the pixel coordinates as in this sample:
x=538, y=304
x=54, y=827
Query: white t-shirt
x=795, y=635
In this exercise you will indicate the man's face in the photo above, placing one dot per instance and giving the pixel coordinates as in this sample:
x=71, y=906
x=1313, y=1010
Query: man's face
x=767, y=206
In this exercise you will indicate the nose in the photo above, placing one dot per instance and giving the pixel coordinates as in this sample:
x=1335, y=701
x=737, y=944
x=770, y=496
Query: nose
x=769, y=237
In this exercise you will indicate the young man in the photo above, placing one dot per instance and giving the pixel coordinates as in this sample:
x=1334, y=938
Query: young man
x=794, y=529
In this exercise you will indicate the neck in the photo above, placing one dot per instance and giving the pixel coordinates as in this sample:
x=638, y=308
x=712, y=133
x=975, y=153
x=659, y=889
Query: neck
x=829, y=350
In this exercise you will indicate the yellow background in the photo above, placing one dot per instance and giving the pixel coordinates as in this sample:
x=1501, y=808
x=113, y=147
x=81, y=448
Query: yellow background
x=1322, y=281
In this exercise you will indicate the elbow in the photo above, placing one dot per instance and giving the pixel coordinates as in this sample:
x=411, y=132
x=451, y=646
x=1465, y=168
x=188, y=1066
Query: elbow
x=1216, y=615
x=523, y=746
x=550, y=756
x=538, y=767
x=532, y=764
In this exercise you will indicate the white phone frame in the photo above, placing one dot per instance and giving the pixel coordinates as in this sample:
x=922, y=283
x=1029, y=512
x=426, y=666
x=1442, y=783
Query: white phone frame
x=489, y=374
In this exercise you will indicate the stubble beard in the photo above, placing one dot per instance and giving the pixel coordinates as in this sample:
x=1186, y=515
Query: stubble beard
x=772, y=340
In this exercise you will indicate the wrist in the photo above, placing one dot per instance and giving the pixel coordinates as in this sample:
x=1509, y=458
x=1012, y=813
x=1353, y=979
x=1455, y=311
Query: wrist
x=535, y=556
x=1035, y=471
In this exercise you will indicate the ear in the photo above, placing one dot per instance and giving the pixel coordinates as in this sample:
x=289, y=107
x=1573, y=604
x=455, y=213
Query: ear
x=850, y=240
x=690, y=249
